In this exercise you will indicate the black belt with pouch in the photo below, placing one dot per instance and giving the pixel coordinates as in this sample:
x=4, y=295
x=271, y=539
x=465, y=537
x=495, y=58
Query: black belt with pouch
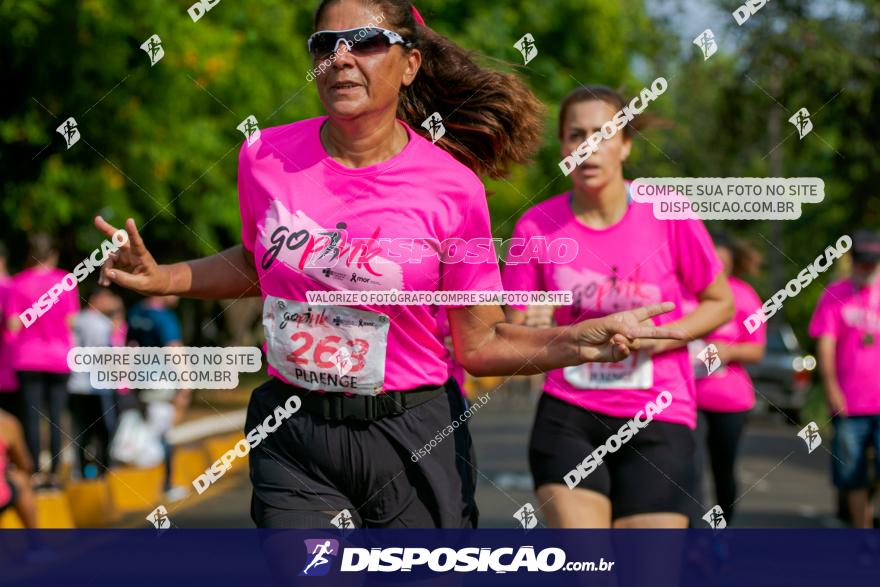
x=365, y=408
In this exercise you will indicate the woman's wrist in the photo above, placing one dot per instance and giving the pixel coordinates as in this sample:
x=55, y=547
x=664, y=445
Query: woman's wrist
x=174, y=278
x=656, y=347
x=572, y=349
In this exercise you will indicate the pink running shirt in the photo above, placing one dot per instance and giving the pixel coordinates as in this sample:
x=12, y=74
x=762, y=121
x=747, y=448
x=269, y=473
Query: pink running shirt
x=730, y=388
x=456, y=371
x=44, y=345
x=8, y=381
x=5, y=489
x=852, y=317
x=290, y=188
x=636, y=262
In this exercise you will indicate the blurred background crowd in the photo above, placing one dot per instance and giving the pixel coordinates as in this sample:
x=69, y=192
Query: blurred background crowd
x=41, y=400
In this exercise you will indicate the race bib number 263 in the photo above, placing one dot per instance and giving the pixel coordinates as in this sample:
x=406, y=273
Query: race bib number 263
x=329, y=348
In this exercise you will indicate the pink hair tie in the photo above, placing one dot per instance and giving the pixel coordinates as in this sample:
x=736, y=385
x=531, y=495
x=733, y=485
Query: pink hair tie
x=418, y=16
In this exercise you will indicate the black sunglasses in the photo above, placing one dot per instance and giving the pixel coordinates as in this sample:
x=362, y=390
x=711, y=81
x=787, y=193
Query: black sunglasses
x=362, y=41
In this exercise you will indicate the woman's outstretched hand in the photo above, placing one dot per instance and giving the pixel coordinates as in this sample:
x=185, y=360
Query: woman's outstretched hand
x=132, y=266
x=613, y=337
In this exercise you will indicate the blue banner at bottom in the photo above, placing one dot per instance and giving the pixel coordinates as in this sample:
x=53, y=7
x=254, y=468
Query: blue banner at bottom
x=619, y=558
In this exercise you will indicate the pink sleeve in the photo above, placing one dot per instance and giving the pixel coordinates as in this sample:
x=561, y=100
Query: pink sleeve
x=523, y=276
x=5, y=293
x=746, y=304
x=698, y=264
x=120, y=331
x=248, y=224
x=826, y=318
x=5, y=299
x=483, y=274
x=14, y=305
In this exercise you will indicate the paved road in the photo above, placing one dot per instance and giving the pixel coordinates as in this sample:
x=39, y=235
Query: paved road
x=781, y=484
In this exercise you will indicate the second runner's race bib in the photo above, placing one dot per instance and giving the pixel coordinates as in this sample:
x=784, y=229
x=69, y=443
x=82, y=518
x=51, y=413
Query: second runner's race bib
x=634, y=372
x=331, y=348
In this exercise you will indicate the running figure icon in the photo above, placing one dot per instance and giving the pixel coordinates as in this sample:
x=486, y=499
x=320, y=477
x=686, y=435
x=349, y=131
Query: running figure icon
x=526, y=516
x=70, y=131
x=335, y=236
x=318, y=556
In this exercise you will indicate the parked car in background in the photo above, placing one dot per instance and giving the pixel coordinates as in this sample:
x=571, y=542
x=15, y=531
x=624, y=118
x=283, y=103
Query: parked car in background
x=783, y=378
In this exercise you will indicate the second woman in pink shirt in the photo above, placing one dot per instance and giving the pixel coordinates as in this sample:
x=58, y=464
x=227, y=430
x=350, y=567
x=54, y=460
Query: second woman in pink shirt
x=591, y=468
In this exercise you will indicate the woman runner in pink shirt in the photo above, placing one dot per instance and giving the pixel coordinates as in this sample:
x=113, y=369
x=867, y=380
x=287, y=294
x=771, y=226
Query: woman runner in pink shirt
x=592, y=467
x=319, y=200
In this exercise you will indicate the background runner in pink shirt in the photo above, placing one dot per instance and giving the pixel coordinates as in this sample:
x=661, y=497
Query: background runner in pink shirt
x=726, y=394
x=626, y=258
x=847, y=324
x=40, y=346
x=730, y=389
x=845, y=315
x=9, y=397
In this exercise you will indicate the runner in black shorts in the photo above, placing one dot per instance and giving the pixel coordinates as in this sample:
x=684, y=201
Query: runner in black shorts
x=357, y=202
x=649, y=474
x=612, y=444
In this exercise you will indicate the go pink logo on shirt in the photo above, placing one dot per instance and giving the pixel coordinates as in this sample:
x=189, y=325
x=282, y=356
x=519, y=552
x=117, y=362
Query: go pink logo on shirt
x=305, y=246
x=856, y=316
x=300, y=242
x=606, y=293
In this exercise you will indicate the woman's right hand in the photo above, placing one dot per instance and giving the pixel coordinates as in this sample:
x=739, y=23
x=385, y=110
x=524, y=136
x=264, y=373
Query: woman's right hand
x=613, y=337
x=132, y=266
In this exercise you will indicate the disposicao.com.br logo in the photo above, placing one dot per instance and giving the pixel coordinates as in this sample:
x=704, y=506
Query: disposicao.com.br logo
x=441, y=560
x=318, y=559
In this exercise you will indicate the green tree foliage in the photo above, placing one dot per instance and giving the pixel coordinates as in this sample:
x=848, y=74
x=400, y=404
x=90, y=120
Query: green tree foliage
x=158, y=143
x=791, y=54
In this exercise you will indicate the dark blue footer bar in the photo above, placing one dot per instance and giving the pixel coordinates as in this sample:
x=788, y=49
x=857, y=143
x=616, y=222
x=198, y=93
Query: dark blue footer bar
x=622, y=558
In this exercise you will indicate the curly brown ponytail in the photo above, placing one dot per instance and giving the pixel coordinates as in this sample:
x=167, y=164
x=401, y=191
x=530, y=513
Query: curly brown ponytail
x=492, y=119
